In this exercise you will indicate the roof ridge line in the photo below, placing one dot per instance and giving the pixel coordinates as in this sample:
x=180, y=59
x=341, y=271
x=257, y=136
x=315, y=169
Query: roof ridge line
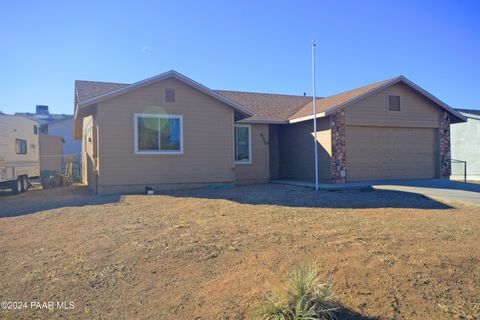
x=268, y=93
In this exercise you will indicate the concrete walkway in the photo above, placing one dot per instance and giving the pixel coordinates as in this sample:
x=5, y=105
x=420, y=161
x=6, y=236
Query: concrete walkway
x=438, y=189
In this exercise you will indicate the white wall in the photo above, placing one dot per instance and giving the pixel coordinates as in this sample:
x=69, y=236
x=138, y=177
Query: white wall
x=465, y=145
x=13, y=164
x=64, y=128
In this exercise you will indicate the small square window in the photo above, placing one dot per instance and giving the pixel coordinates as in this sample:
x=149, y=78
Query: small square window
x=170, y=95
x=394, y=103
x=20, y=146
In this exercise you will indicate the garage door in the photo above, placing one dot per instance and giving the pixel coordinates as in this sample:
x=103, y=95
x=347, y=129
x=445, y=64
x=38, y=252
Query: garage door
x=381, y=153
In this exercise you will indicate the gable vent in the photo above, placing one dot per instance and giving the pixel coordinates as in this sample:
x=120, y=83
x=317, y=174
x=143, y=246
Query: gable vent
x=170, y=95
x=394, y=103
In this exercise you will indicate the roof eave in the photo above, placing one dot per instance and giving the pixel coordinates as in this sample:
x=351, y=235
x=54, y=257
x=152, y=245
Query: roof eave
x=309, y=117
x=459, y=116
x=172, y=73
x=452, y=111
x=469, y=115
x=263, y=121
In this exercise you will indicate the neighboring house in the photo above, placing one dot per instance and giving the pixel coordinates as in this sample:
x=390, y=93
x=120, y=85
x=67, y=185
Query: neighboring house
x=169, y=131
x=64, y=128
x=50, y=148
x=57, y=125
x=466, y=146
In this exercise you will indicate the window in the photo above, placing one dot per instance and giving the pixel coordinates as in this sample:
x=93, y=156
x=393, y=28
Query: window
x=170, y=95
x=44, y=129
x=394, y=103
x=35, y=129
x=243, y=144
x=156, y=133
x=20, y=146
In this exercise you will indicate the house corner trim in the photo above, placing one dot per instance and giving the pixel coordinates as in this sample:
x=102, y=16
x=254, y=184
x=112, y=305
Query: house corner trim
x=339, y=166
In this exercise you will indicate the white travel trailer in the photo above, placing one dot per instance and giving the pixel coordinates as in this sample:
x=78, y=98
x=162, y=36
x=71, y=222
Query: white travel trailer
x=19, y=152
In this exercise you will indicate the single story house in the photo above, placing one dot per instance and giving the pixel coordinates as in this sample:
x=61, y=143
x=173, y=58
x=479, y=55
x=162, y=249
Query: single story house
x=465, y=139
x=170, y=131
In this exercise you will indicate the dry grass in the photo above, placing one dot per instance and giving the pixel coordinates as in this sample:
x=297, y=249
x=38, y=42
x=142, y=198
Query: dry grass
x=212, y=254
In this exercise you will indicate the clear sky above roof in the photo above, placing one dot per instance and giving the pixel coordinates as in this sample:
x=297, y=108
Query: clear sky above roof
x=260, y=46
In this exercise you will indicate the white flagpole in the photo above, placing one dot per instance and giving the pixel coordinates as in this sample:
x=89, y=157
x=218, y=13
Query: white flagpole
x=314, y=116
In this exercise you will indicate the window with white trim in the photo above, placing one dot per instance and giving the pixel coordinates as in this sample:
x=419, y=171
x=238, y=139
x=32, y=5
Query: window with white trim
x=243, y=144
x=158, y=134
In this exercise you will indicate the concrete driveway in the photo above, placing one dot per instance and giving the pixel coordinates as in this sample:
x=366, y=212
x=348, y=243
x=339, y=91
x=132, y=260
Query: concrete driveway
x=438, y=189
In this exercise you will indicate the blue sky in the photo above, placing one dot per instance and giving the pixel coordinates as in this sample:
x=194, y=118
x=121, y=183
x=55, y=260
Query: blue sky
x=261, y=46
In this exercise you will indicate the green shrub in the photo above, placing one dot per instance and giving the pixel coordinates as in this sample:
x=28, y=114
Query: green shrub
x=304, y=298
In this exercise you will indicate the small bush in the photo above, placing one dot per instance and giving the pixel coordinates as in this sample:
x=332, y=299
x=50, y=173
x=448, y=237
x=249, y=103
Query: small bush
x=304, y=298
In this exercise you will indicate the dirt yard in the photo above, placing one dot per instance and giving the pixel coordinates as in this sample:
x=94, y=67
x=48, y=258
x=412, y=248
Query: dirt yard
x=212, y=254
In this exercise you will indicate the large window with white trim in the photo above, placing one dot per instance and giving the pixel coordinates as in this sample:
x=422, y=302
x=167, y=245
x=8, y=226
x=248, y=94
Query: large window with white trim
x=243, y=144
x=158, y=134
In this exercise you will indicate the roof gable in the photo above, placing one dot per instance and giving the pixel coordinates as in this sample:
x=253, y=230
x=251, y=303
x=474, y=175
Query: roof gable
x=87, y=95
x=328, y=105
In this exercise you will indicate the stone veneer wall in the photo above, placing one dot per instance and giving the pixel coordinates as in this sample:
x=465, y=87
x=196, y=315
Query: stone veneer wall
x=445, y=153
x=339, y=168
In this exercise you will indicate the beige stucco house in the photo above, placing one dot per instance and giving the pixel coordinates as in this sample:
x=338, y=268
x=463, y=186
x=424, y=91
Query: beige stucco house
x=169, y=131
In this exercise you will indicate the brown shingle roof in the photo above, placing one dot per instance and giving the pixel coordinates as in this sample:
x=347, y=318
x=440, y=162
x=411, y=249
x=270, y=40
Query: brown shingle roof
x=90, y=89
x=267, y=106
x=327, y=103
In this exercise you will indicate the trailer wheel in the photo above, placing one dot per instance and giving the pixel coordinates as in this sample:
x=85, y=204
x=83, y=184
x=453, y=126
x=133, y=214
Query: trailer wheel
x=17, y=186
x=24, y=183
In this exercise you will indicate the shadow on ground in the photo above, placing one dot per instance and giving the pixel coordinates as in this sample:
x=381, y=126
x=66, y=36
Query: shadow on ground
x=292, y=196
x=267, y=194
x=347, y=314
x=38, y=200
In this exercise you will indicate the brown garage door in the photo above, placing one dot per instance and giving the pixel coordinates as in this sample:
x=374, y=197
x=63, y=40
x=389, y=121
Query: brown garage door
x=383, y=153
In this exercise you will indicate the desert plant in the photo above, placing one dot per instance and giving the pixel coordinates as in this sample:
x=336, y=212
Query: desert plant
x=305, y=298
x=273, y=308
x=301, y=280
